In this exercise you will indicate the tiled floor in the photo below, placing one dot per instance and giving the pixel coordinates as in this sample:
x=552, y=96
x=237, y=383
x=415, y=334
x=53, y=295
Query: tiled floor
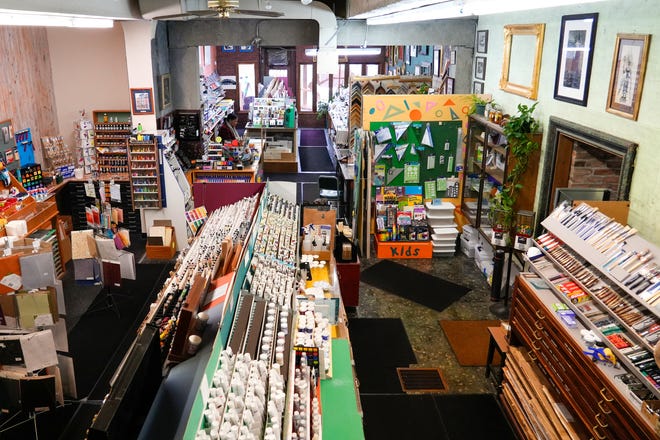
x=421, y=323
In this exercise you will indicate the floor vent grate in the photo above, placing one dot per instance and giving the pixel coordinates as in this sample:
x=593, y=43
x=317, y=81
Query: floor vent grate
x=421, y=380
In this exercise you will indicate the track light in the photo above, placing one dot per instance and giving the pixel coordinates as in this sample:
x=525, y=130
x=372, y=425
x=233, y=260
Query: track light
x=268, y=5
x=305, y=2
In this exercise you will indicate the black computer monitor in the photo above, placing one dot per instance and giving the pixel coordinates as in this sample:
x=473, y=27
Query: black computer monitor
x=570, y=194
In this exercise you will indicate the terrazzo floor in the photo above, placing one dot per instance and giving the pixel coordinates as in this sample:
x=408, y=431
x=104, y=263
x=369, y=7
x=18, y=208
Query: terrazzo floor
x=421, y=323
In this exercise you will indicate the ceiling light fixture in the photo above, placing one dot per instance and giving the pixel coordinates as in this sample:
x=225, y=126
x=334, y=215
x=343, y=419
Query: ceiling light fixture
x=10, y=17
x=347, y=51
x=463, y=8
x=268, y=6
x=306, y=2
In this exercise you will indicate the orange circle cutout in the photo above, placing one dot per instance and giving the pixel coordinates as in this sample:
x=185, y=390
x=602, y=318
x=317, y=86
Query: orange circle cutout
x=415, y=115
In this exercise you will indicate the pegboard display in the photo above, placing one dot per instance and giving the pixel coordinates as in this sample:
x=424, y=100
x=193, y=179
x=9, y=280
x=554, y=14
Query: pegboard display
x=418, y=153
x=8, y=151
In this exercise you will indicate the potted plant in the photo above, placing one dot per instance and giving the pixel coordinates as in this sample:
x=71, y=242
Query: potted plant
x=321, y=110
x=517, y=130
x=479, y=104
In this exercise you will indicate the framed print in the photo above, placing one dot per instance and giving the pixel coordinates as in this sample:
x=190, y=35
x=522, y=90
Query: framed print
x=477, y=87
x=412, y=51
x=165, y=90
x=480, y=67
x=452, y=57
x=576, y=49
x=228, y=49
x=245, y=49
x=450, y=86
x=627, y=78
x=482, y=41
x=436, y=62
x=423, y=50
x=142, y=101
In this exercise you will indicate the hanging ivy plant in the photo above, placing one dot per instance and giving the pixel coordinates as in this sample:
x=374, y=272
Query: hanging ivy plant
x=517, y=130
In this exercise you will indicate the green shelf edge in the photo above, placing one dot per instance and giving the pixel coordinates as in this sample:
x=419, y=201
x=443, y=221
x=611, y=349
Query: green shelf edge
x=341, y=419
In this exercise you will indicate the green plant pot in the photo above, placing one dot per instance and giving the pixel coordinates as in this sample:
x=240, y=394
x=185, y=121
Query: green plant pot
x=480, y=109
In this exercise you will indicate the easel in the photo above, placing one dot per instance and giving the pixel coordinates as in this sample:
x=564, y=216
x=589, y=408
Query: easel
x=111, y=271
x=35, y=392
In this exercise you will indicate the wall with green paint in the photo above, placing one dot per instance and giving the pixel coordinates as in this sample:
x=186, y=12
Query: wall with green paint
x=615, y=16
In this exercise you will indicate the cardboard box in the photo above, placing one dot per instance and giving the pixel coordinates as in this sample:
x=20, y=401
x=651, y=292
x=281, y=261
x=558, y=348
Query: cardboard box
x=161, y=241
x=650, y=409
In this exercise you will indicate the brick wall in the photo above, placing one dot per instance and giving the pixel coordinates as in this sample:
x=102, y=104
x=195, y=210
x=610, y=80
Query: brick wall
x=595, y=168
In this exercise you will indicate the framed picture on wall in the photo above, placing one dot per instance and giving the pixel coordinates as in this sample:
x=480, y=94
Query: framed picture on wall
x=423, y=50
x=477, y=87
x=142, y=101
x=627, y=78
x=480, y=67
x=165, y=90
x=450, y=86
x=452, y=57
x=436, y=62
x=482, y=41
x=228, y=48
x=413, y=51
x=576, y=48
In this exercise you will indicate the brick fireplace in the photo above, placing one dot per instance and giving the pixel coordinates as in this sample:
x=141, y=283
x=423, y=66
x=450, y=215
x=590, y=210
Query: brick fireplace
x=577, y=156
x=593, y=167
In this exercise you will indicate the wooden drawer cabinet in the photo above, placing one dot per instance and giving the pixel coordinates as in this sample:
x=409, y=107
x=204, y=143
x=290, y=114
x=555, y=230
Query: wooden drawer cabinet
x=592, y=397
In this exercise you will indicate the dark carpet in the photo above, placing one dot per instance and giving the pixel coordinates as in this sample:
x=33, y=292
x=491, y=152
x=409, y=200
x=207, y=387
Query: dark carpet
x=420, y=287
x=380, y=345
x=443, y=417
x=314, y=159
x=100, y=334
x=313, y=137
x=49, y=424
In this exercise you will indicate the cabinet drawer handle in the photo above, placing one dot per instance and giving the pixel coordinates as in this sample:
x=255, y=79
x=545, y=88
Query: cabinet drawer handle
x=536, y=336
x=599, y=422
x=539, y=314
x=598, y=436
x=531, y=355
x=538, y=325
x=603, y=408
x=602, y=393
x=534, y=346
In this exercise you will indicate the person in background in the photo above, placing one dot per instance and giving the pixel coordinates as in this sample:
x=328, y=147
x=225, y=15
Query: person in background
x=227, y=130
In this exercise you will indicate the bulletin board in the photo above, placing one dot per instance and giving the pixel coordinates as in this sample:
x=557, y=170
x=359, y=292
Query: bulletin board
x=425, y=143
x=417, y=153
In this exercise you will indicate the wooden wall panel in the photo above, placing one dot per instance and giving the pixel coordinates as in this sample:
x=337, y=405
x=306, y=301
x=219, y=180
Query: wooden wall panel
x=26, y=85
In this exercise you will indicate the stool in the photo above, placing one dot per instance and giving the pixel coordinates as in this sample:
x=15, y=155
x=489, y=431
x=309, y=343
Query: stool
x=497, y=342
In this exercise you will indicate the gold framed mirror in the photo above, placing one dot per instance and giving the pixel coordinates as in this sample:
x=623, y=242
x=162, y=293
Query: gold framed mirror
x=522, y=43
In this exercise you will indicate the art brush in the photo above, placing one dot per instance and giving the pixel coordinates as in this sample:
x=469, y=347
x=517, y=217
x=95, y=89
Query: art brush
x=595, y=238
x=606, y=222
x=602, y=244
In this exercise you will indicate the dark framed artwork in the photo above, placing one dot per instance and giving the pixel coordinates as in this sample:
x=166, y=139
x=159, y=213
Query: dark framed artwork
x=450, y=86
x=165, y=90
x=477, y=87
x=142, y=101
x=422, y=50
x=627, y=78
x=228, y=48
x=482, y=41
x=576, y=49
x=480, y=67
x=437, y=56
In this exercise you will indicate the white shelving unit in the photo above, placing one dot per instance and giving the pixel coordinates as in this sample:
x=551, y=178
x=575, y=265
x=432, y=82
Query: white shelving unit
x=443, y=229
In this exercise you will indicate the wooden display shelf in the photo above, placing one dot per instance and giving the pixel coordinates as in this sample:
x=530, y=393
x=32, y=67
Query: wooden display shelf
x=38, y=215
x=403, y=249
x=284, y=162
